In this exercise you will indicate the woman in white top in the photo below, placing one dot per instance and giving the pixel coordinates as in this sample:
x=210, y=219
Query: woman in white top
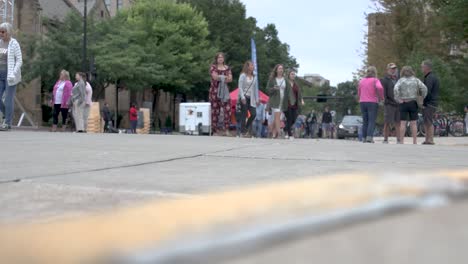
x=60, y=96
x=279, y=91
x=11, y=60
x=248, y=96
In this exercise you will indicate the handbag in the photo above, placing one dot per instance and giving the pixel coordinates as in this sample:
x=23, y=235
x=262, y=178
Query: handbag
x=238, y=103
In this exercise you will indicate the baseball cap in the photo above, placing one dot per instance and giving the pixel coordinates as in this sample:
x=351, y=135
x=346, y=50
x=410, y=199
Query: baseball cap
x=391, y=66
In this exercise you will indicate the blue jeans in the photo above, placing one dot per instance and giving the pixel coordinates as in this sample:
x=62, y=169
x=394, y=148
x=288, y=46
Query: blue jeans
x=8, y=106
x=369, y=115
x=257, y=128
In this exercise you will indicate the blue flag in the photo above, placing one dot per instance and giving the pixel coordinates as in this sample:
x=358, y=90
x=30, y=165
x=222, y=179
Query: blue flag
x=254, y=61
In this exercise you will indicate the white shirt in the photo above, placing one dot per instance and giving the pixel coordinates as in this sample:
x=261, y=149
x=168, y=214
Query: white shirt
x=282, y=85
x=89, y=93
x=59, y=93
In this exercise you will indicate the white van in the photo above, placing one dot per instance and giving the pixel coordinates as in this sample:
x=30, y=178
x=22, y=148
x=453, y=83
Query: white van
x=195, y=118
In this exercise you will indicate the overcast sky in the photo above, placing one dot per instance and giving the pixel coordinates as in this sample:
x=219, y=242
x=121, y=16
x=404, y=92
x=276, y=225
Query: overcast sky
x=325, y=36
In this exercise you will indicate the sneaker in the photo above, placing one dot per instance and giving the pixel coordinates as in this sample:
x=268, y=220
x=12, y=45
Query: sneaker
x=291, y=138
x=5, y=127
x=385, y=142
x=286, y=137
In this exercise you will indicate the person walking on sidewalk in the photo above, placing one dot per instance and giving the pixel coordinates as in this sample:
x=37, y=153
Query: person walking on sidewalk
x=407, y=90
x=431, y=101
x=249, y=98
x=295, y=103
x=221, y=76
x=133, y=112
x=311, y=123
x=279, y=91
x=78, y=100
x=89, y=102
x=391, y=109
x=60, y=96
x=11, y=60
x=370, y=92
x=327, y=120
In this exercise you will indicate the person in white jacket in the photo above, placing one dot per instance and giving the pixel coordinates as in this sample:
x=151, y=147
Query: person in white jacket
x=11, y=61
x=249, y=98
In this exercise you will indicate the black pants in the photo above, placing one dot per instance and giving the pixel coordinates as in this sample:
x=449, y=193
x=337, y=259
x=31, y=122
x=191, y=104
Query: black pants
x=57, y=110
x=247, y=124
x=291, y=116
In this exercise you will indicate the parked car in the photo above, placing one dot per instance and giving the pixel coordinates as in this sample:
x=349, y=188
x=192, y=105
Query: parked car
x=349, y=127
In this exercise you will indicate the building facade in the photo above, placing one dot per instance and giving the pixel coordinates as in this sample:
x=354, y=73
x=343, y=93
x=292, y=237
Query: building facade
x=316, y=80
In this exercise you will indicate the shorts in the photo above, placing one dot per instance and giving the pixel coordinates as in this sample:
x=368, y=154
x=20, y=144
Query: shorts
x=428, y=114
x=326, y=126
x=391, y=114
x=409, y=111
x=276, y=110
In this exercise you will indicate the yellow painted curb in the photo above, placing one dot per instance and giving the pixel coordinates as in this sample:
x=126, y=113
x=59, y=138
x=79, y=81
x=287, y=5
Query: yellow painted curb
x=82, y=240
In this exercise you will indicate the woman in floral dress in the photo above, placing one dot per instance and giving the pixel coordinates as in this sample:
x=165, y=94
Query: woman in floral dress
x=221, y=75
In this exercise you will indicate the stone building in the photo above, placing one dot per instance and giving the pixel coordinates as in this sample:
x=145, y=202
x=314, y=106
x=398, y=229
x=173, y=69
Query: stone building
x=316, y=80
x=115, y=6
x=380, y=48
x=96, y=8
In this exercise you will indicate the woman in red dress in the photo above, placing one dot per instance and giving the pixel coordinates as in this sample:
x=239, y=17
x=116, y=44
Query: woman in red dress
x=221, y=75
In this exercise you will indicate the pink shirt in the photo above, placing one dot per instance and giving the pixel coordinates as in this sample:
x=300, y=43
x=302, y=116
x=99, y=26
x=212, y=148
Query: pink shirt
x=366, y=90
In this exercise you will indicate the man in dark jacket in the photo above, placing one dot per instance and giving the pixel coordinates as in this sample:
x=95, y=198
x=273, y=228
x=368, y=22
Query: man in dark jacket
x=431, y=101
x=391, y=108
x=327, y=122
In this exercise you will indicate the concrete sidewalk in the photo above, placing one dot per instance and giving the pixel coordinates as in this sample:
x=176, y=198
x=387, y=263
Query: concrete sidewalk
x=54, y=177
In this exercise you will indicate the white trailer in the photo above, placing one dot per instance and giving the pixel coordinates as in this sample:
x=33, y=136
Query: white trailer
x=195, y=118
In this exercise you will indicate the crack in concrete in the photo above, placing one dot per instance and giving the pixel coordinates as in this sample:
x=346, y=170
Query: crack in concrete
x=126, y=165
x=319, y=160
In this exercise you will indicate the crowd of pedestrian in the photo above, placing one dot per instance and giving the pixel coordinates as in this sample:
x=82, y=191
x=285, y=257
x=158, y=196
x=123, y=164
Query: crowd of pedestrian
x=401, y=93
x=71, y=99
x=403, y=96
x=280, y=117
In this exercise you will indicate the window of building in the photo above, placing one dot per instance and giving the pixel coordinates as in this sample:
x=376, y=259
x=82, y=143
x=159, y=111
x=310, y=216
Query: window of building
x=102, y=13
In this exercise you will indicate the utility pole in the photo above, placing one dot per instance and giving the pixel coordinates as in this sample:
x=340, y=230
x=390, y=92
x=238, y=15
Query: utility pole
x=85, y=40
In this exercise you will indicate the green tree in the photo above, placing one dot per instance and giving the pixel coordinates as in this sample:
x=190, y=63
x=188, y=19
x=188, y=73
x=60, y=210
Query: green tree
x=60, y=49
x=231, y=31
x=426, y=29
x=348, y=92
x=158, y=44
x=271, y=51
